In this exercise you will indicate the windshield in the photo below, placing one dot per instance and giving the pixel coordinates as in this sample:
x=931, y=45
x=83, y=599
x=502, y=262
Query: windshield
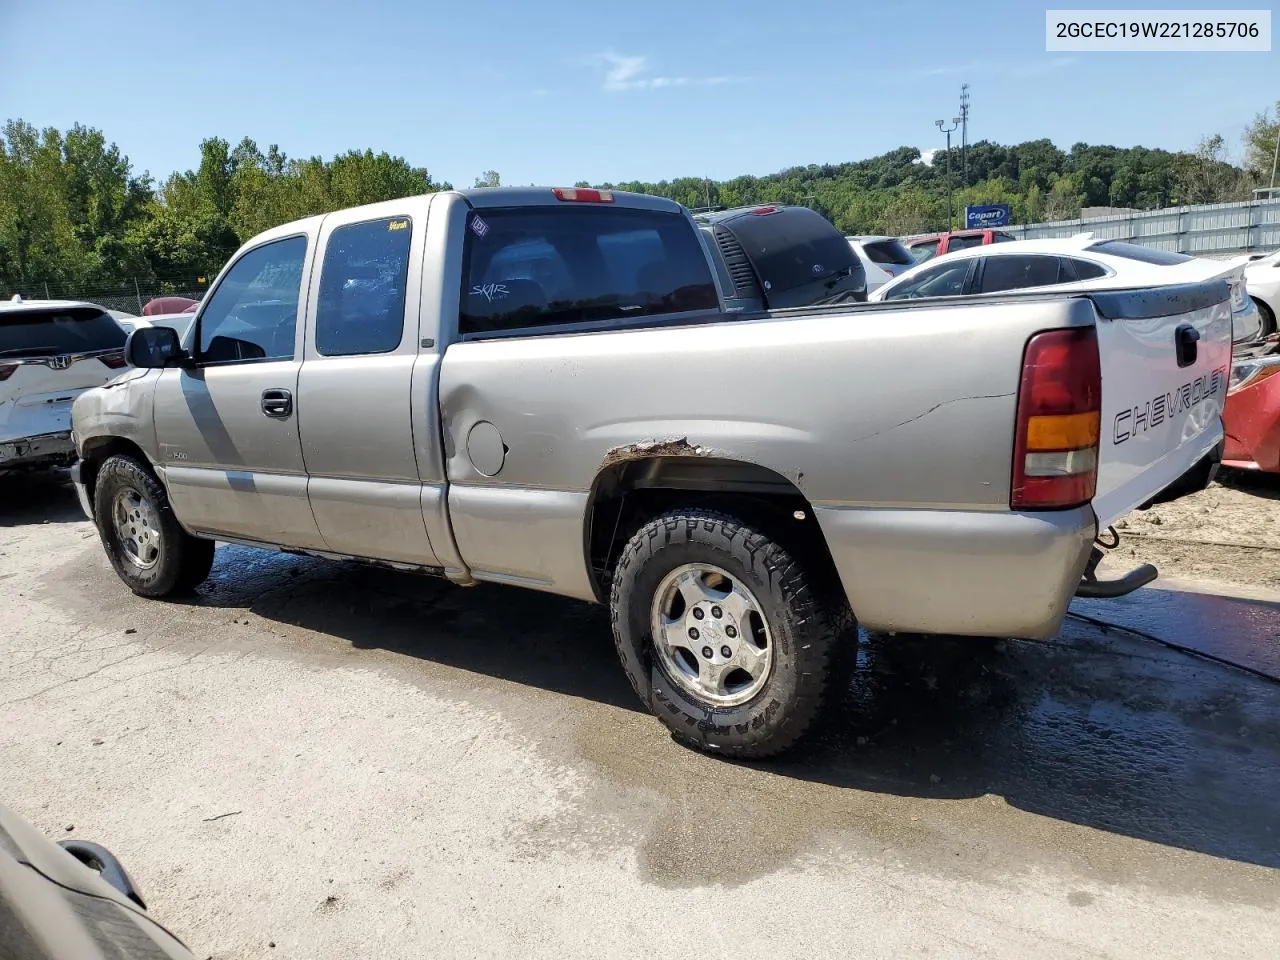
x=59, y=330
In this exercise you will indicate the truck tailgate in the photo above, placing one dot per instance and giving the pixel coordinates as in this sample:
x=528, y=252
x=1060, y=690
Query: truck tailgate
x=1166, y=358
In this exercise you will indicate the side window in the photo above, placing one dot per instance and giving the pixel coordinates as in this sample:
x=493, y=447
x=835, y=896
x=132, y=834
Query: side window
x=1018, y=273
x=539, y=266
x=944, y=279
x=1086, y=269
x=362, y=288
x=920, y=252
x=1000, y=237
x=253, y=314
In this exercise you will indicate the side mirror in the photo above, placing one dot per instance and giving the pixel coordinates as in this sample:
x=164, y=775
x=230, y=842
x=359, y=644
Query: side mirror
x=151, y=348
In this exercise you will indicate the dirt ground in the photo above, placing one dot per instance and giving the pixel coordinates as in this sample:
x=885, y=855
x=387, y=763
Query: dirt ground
x=1229, y=533
x=323, y=761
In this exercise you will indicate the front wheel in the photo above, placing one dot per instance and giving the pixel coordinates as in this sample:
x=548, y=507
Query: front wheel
x=146, y=545
x=723, y=634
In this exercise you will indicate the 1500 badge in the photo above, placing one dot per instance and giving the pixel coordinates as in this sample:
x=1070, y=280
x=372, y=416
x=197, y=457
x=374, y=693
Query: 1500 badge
x=1165, y=406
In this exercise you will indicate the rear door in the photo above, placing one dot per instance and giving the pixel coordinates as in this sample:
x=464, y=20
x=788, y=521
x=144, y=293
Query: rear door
x=1166, y=356
x=48, y=357
x=356, y=381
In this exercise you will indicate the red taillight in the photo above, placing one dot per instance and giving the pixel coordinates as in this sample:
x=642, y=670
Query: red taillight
x=113, y=360
x=583, y=195
x=762, y=211
x=7, y=371
x=1055, y=457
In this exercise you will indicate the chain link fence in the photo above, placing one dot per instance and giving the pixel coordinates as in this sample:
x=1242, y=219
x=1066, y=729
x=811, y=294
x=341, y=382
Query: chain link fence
x=128, y=296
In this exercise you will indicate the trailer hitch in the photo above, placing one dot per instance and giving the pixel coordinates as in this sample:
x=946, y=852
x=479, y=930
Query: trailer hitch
x=1091, y=586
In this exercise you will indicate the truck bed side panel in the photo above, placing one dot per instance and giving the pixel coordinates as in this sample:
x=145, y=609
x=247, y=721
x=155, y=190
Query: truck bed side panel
x=877, y=406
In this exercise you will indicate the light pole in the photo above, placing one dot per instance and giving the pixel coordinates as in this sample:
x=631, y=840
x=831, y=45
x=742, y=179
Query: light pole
x=941, y=125
x=1276, y=158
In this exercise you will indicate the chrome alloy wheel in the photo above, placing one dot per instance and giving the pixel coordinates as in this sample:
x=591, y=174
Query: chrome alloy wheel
x=711, y=635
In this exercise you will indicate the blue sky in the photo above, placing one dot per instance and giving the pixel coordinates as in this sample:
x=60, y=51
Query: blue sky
x=563, y=90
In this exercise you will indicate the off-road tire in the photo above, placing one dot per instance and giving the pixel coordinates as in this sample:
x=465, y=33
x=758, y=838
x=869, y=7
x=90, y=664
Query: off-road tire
x=806, y=624
x=184, y=561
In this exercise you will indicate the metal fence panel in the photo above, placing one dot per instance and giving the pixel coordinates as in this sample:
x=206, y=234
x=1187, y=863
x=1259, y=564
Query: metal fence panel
x=1213, y=229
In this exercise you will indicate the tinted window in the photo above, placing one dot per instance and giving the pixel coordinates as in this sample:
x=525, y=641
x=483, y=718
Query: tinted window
x=888, y=251
x=999, y=237
x=47, y=333
x=540, y=266
x=925, y=250
x=1016, y=273
x=1131, y=251
x=1086, y=269
x=945, y=279
x=362, y=288
x=253, y=313
x=791, y=247
x=963, y=243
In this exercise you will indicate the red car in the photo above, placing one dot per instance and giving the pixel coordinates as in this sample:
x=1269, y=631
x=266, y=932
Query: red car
x=1252, y=415
x=932, y=245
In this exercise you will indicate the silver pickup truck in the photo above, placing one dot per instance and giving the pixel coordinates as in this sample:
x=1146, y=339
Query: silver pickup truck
x=541, y=388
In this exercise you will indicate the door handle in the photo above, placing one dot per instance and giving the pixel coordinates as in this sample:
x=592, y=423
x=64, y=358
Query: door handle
x=1187, y=340
x=277, y=403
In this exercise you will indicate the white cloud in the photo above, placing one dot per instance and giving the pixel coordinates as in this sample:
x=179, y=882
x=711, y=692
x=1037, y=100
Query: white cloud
x=926, y=156
x=633, y=72
x=1020, y=71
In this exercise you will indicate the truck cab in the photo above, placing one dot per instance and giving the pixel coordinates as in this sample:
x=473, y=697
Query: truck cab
x=932, y=245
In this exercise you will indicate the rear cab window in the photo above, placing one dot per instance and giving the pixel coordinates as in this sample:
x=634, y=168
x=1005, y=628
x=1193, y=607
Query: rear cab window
x=548, y=266
x=55, y=331
x=963, y=243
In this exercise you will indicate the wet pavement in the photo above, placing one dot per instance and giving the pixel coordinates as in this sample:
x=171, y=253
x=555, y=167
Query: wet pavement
x=467, y=772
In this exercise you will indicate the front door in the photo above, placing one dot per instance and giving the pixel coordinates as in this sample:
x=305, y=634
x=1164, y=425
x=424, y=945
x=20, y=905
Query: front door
x=227, y=426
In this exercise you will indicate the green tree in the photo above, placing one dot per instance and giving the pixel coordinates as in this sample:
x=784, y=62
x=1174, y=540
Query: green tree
x=1260, y=140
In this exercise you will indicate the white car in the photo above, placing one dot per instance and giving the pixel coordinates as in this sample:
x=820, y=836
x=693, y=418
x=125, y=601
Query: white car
x=1262, y=279
x=51, y=351
x=883, y=258
x=1079, y=262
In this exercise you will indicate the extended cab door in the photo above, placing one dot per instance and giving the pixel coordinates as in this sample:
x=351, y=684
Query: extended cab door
x=356, y=385
x=227, y=426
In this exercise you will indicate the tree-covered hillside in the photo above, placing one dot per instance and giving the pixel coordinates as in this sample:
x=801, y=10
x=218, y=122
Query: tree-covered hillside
x=74, y=214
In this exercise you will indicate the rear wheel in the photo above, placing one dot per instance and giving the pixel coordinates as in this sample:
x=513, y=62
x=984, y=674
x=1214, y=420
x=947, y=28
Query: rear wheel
x=146, y=545
x=723, y=634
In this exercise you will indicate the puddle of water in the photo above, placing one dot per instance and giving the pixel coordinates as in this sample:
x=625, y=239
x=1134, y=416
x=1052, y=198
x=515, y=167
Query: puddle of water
x=1241, y=631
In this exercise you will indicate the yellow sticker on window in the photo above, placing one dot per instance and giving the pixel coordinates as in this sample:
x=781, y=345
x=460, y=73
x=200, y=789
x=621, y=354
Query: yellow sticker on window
x=398, y=225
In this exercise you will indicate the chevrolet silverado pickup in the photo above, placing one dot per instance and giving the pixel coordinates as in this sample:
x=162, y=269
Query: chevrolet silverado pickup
x=542, y=388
